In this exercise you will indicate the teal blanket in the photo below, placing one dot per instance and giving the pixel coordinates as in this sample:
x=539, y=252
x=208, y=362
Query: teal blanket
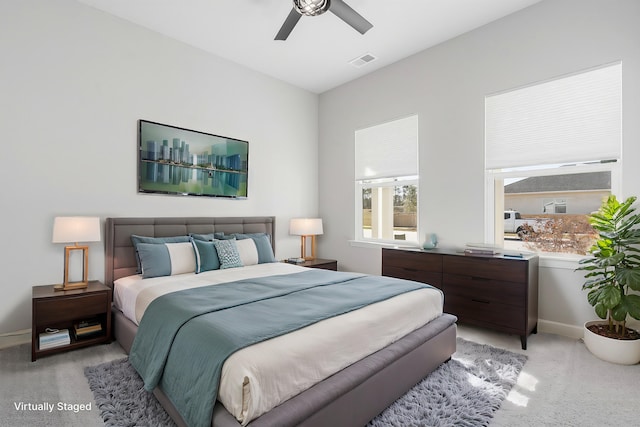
x=185, y=336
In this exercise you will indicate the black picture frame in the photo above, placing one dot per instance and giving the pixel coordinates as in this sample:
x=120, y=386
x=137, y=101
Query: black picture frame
x=178, y=161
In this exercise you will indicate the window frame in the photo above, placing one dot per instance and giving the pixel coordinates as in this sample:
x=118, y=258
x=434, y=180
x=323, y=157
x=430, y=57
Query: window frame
x=532, y=130
x=360, y=185
x=494, y=233
x=386, y=172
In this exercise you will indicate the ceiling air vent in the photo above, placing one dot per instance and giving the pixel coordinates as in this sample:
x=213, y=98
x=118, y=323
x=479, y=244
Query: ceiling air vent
x=362, y=60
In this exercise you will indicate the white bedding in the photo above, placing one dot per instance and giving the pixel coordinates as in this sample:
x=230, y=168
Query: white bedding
x=258, y=378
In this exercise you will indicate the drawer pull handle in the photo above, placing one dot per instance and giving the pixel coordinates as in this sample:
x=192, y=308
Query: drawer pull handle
x=413, y=270
x=480, y=301
x=481, y=279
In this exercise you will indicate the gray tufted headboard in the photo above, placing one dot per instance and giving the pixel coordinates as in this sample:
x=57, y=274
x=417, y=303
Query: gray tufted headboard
x=120, y=258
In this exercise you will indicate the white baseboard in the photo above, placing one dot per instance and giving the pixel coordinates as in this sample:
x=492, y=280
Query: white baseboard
x=550, y=327
x=11, y=339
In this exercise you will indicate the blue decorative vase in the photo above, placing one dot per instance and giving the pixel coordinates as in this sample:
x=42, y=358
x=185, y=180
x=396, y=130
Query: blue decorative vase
x=431, y=242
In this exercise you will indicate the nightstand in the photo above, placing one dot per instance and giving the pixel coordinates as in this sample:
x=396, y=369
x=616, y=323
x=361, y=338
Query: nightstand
x=327, y=264
x=61, y=309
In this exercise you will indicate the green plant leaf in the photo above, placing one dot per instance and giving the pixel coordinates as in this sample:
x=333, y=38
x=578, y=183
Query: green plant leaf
x=629, y=305
x=609, y=296
x=632, y=303
x=601, y=311
x=629, y=277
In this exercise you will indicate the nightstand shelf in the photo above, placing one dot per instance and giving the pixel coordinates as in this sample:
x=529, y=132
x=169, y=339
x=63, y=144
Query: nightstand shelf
x=61, y=309
x=326, y=264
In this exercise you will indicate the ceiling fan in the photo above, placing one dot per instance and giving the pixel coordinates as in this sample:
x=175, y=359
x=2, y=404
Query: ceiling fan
x=318, y=7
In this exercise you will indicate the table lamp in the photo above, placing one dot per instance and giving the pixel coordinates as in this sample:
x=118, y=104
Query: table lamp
x=306, y=227
x=75, y=229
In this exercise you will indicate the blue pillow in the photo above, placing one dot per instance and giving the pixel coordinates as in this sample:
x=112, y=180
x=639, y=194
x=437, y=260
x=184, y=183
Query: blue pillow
x=228, y=253
x=206, y=256
x=166, y=259
x=135, y=240
x=210, y=237
x=263, y=245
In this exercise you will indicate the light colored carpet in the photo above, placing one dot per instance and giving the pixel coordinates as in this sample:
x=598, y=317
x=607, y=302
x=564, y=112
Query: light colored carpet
x=57, y=381
x=561, y=384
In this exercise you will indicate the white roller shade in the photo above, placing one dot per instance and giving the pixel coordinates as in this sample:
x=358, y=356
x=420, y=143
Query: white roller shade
x=387, y=150
x=571, y=119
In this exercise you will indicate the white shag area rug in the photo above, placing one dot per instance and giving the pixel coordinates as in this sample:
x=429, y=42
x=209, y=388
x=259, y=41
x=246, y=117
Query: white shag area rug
x=465, y=391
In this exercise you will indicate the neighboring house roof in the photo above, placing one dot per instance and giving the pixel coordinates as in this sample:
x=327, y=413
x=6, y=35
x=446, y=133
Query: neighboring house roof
x=574, y=182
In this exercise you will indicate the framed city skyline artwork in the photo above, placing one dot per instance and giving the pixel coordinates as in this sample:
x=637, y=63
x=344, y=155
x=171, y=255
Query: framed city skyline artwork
x=178, y=161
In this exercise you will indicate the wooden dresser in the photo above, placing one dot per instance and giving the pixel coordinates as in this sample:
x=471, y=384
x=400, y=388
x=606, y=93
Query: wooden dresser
x=495, y=292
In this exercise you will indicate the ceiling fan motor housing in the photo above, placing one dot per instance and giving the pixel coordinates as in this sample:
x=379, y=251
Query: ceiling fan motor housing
x=311, y=7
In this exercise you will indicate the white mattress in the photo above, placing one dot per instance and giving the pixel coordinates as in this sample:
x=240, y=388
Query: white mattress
x=258, y=378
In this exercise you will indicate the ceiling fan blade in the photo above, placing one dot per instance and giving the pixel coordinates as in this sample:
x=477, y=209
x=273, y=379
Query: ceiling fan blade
x=288, y=25
x=350, y=16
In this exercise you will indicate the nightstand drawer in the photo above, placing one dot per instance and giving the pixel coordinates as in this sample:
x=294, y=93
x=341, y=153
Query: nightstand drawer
x=75, y=307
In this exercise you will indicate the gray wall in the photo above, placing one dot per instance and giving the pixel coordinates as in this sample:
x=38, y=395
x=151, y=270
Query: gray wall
x=446, y=86
x=73, y=83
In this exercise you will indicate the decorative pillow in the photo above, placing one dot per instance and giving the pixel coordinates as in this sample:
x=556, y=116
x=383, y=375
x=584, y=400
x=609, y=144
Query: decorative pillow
x=135, y=240
x=206, y=256
x=263, y=245
x=207, y=237
x=166, y=259
x=228, y=253
x=248, y=252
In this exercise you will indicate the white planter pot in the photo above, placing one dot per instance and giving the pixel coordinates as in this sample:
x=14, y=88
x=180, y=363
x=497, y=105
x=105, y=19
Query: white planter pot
x=623, y=352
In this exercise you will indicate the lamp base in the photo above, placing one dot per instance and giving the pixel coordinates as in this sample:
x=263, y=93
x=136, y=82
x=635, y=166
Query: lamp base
x=70, y=286
x=303, y=247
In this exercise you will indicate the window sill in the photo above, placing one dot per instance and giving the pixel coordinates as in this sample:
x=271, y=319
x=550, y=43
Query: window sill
x=382, y=244
x=567, y=262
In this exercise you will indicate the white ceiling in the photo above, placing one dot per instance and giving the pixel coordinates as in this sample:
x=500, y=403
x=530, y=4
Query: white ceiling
x=317, y=54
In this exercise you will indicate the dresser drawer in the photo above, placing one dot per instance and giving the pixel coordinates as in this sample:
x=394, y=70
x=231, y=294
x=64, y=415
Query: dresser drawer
x=418, y=266
x=69, y=308
x=486, y=290
x=412, y=260
x=508, y=270
x=486, y=313
x=433, y=279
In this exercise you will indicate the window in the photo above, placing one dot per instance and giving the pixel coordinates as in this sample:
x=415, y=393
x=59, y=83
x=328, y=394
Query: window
x=386, y=171
x=553, y=152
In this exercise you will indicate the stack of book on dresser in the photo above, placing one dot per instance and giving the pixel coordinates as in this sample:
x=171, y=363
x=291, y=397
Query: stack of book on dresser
x=87, y=328
x=480, y=249
x=54, y=338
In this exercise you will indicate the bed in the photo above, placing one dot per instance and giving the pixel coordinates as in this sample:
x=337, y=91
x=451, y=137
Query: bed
x=351, y=396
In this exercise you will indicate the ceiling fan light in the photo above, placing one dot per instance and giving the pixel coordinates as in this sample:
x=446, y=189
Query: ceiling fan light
x=311, y=7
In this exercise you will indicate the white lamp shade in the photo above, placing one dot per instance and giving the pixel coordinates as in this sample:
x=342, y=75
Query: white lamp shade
x=305, y=226
x=69, y=229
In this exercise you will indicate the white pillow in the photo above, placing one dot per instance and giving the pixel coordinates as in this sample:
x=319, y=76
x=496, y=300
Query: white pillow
x=183, y=259
x=248, y=251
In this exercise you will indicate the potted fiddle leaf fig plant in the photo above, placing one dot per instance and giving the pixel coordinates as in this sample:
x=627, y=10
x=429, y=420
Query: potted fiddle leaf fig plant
x=613, y=277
